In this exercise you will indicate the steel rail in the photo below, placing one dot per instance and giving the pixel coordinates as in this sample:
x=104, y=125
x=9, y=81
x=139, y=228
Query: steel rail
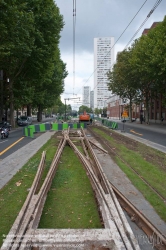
x=143, y=179
x=102, y=180
x=11, y=237
x=97, y=146
x=38, y=201
x=154, y=235
x=99, y=191
x=130, y=242
x=118, y=209
x=114, y=219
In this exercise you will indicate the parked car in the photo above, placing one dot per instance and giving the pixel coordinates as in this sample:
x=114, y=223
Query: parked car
x=24, y=120
x=5, y=125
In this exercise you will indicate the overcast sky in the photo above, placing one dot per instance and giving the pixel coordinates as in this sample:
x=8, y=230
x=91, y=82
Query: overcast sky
x=99, y=18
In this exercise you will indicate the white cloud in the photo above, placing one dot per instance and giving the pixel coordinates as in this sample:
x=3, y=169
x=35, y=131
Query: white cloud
x=99, y=18
x=83, y=73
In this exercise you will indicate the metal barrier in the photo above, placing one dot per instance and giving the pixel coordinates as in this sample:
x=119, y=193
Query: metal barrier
x=31, y=129
x=107, y=123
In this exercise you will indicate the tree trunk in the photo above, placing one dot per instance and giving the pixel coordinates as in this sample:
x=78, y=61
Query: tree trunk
x=12, y=120
x=147, y=109
x=130, y=110
x=29, y=110
x=1, y=106
x=39, y=114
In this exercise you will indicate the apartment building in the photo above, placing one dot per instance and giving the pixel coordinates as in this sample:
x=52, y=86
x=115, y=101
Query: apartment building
x=86, y=96
x=103, y=62
x=92, y=99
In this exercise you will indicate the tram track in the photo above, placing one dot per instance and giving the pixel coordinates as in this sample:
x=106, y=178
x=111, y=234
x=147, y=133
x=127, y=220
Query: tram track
x=153, y=234
x=116, y=234
x=107, y=145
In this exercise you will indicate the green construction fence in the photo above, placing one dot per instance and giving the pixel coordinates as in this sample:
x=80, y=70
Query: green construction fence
x=107, y=123
x=31, y=129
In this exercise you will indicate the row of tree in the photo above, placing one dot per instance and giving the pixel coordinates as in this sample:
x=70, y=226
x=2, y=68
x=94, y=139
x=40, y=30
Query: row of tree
x=90, y=110
x=59, y=108
x=140, y=71
x=29, y=55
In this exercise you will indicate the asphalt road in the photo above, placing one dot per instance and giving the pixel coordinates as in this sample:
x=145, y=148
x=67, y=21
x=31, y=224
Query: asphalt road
x=153, y=133
x=16, y=139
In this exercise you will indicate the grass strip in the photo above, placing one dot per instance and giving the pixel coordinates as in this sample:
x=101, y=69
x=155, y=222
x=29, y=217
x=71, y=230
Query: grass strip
x=151, y=172
x=14, y=193
x=83, y=210
x=71, y=202
x=149, y=195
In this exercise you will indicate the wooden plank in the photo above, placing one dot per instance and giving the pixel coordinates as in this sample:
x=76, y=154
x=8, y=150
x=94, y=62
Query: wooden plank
x=73, y=239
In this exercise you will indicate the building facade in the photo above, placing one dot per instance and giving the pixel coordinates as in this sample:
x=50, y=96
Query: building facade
x=116, y=106
x=86, y=96
x=103, y=62
x=157, y=109
x=92, y=99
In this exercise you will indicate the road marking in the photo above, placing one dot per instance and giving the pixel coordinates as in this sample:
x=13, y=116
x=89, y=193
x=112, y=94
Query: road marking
x=135, y=132
x=11, y=146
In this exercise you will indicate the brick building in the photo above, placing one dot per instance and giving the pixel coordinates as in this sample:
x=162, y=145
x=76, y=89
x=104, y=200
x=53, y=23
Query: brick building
x=117, y=105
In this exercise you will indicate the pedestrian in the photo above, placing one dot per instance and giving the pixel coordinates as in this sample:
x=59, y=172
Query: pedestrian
x=141, y=118
x=162, y=119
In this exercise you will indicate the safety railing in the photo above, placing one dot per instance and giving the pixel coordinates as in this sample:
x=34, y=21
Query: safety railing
x=107, y=123
x=36, y=128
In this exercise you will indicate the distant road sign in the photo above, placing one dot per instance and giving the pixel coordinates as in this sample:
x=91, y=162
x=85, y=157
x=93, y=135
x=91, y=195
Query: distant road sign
x=125, y=114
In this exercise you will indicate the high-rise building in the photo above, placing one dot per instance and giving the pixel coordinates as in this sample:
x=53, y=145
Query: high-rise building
x=92, y=99
x=103, y=62
x=86, y=96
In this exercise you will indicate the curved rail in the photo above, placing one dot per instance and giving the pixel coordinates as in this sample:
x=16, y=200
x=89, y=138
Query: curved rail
x=117, y=233
x=154, y=235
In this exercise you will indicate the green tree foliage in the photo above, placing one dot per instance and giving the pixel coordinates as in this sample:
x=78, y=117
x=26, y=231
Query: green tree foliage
x=98, y=111
x=148, y=61
x=85, y=108
x=16, y=42
x=29, y=53
x=143, y=70
x=157, y=57
x=140, y=72
x=122, y=80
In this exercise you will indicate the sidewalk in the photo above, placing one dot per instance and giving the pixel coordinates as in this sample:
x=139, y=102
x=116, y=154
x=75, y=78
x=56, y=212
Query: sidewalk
x=119, y=179
x=152, y=127
x=11, y=164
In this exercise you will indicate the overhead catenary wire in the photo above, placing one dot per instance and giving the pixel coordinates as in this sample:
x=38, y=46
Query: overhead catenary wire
x=149, y=14
x=117, y=40
x=74, y=29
